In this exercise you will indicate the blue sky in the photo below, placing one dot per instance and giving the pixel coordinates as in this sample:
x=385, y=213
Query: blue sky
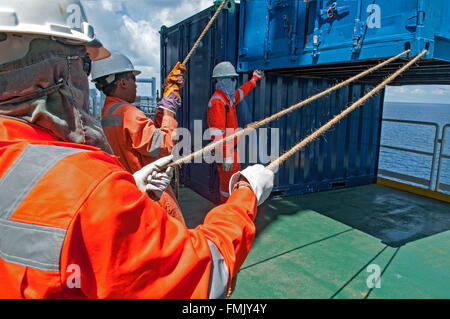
x=132, y=27
x=419, y=94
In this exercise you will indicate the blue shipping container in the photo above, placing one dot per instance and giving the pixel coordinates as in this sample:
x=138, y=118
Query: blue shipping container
x=346, y=156
x=219, y=44
x=280, y=34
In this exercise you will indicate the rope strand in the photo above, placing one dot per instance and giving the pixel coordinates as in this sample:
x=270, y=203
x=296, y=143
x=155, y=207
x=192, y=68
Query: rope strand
x=254, y=125
x=204, y=32
x=340, y=116
x=177, y=183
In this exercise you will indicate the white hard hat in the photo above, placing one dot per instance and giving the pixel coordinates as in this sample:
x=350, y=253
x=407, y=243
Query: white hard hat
x=61, y=19
x=224, y=70
x=116, y=63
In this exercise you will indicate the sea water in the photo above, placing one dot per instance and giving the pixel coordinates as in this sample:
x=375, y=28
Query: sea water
x=417, y=137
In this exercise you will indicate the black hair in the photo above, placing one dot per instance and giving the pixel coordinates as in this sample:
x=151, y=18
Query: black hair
x=106, y=87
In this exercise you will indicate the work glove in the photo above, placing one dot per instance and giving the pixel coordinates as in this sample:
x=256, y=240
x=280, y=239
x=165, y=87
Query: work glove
x=171, y=99
x=258, y=75
x=153, y=179
x=227, y=164
x=175, y=79
x=260, y=179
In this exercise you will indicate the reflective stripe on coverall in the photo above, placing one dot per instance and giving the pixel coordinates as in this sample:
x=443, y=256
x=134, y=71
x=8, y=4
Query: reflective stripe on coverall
x=73, y=224
x=218, y=121
x=139, y=141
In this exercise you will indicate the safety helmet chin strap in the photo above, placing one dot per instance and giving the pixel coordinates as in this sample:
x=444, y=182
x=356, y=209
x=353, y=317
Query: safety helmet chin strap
x=103, y=83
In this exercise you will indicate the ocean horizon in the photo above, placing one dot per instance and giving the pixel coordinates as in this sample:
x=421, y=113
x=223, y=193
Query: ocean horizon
x=417, y=137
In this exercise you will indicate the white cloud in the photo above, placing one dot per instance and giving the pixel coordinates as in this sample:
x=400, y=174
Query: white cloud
x=143, y=39
x=443, y=90
x=132, y=27
x=418, y=93
x=110, y=6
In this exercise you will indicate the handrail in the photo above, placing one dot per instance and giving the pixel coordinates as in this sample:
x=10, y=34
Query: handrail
x=433, y=154
x=411, y=122
x=441, y=156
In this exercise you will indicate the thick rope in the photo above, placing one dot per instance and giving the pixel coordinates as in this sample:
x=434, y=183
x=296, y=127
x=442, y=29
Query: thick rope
x=177, y=179
x=204, y=32
x=177, y=183
x=340, y=116
x=252, y=126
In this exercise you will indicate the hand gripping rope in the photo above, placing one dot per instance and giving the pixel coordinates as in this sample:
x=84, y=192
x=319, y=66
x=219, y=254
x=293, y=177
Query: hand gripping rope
x=177, y=173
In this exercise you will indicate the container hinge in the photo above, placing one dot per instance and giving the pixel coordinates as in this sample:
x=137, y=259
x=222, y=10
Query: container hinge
x=278, y=4
x=357, y=35
x=292, y=36
x=267, y=49
x=267, y=43
x=163, y=30
x=416, y=20
x=229, y=5
x=317, y=39
x=243, y=51
x=420, y=18
x=293, y=48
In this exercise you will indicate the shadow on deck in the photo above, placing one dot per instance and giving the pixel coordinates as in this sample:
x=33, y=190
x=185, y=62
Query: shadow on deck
x=335, y=244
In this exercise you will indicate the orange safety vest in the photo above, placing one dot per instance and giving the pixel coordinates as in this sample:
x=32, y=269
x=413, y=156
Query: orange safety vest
x=138, y=141
x=74, y=225
x=222, y=116
x=133, y=137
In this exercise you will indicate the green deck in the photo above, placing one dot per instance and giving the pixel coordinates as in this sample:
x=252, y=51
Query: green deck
x=320, y=245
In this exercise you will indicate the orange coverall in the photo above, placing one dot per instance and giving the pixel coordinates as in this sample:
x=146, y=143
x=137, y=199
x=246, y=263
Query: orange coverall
x=218, y=121
x=73, y=224
x=138, y=141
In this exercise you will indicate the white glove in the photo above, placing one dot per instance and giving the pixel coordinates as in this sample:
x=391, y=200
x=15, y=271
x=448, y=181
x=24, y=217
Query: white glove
x=227, y=164
x=152, y=179
x=260, y=179
x=257, y=75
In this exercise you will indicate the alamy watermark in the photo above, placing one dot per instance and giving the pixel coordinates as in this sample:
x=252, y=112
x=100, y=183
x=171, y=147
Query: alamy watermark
x=374, y=280
x=262, y=145
x=74, y=279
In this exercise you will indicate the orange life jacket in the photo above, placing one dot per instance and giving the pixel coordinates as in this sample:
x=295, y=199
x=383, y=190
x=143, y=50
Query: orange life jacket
x=138, y=141
x=222, y=121
x=134, y=137
x=221, y=115
x=73, y=224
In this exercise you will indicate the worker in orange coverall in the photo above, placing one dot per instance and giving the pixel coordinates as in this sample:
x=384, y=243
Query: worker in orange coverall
x=222, y=119
x=73, y=222
x=135, y=138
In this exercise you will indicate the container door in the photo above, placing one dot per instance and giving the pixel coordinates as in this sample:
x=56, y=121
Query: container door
x=378, y=22
x=199, y=175
x=270, y=29
x=330, y=24
x=358, y=24
x=284, y=32
x=219, y=44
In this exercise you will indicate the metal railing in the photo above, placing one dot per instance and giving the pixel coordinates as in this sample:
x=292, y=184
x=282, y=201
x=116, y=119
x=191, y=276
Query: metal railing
x=439, y=185
x=146, y=103
x=437, y=156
